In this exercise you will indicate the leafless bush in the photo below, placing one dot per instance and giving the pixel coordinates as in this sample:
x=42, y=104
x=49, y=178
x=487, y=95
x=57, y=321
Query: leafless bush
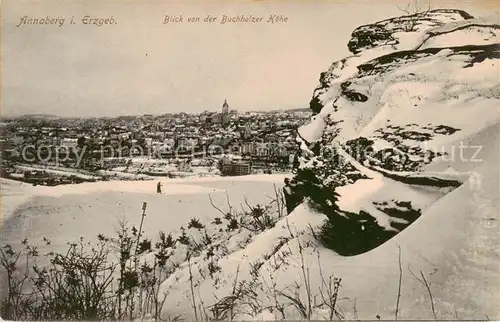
x=223, y=309
x=279, y=200
x=292, y=293
x=183, y=238
x=427, y=286
x=329, y=291
x=195, y=223
x=255, y=267
x=191, y=285
x=414, y=11
x=85, y=282
x=255, y=219
x=306, y=277
x=273, y=291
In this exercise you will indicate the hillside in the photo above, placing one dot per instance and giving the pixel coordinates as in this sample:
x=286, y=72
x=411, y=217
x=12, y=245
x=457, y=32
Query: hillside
x=404, y=137
x=416, y=106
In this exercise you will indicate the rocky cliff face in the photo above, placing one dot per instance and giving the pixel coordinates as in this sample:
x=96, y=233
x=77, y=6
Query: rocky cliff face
x=398, y=125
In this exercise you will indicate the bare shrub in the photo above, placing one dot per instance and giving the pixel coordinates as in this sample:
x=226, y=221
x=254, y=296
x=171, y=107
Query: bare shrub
x=195, y=223
x=255, y=219
x=427, y=286
x=329, y=291
x=85, y=282
x=414, y=11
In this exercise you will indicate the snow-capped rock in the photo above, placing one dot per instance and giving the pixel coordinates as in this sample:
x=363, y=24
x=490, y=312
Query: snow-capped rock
x=416, y=88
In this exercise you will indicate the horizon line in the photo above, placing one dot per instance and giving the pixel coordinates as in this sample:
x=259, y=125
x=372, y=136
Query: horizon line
x=143, y=114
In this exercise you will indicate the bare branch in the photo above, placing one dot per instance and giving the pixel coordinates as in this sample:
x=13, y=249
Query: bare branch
x=399, y=282
x=229, y=203
x=427, y=285
x=213, y=205
x=192, y=288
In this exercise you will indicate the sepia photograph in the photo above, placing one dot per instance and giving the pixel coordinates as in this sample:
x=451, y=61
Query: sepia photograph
x=249, y=160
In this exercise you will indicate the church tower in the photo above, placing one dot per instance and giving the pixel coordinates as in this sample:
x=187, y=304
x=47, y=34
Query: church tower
x=225, y=113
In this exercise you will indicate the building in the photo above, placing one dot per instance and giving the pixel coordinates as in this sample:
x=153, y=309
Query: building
x=225, y=117
x=69, y=142
x=249, y=148
x=235, y=169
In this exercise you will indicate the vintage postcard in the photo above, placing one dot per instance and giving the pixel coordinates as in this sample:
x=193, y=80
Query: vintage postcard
x=250, y=160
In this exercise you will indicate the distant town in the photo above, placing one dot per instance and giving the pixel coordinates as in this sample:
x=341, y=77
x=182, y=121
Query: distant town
x=48, y=150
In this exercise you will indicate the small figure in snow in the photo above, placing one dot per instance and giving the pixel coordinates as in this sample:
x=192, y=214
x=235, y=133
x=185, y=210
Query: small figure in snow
x=158, y=187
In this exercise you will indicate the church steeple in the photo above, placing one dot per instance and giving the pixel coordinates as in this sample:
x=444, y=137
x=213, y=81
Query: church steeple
x=225, y=112
x=225, y=107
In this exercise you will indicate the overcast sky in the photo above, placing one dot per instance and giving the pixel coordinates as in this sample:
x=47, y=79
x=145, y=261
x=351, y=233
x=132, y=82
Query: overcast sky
x=141, y=65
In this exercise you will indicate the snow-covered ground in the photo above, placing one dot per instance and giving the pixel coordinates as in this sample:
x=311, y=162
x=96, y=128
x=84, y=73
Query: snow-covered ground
x=453, y=245
x=459, y=266
x=64, y=213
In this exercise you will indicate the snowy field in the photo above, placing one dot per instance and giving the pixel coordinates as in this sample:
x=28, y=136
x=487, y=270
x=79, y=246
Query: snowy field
x=453, y=244
x=65, y=213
